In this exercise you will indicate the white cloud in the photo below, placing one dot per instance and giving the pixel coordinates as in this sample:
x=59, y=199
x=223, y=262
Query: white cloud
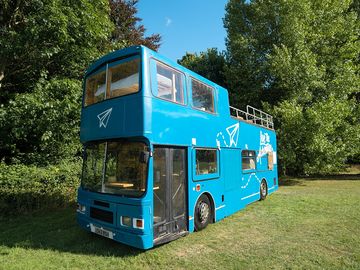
x=168, y=21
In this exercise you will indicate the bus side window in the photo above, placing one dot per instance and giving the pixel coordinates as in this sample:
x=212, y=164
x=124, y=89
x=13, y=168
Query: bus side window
x=248, y=160
x=169, y=83
x=270, y=160
x=202, y=96
x=206, y=161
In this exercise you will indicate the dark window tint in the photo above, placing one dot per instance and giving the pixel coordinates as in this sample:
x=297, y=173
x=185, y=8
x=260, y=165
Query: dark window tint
x=248, y=160
x=206, y=161
x=202, y=96
x=160, y=175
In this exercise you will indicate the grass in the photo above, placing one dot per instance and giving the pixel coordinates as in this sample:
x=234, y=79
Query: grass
x=307, y=224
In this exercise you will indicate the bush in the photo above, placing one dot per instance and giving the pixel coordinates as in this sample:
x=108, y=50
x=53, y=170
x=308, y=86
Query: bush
x=28, y=188
x=42, y=127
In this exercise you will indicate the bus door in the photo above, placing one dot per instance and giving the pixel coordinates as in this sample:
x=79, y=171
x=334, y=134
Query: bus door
x=170, y=172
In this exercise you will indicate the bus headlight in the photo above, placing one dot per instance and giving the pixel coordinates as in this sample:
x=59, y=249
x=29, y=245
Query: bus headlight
x=81, y=208
x=126, y=221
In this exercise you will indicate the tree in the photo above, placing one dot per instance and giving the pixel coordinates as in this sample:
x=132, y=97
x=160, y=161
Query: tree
x=128, y=30
x=301, y=59
x=210, y=64
x=42, y=127
x=45, y=39
x=46, y=45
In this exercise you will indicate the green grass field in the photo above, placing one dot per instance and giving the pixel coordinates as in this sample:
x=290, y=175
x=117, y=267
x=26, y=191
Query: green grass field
x=307, y=224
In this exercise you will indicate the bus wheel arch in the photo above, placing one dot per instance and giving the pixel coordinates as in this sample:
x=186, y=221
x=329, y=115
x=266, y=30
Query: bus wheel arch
x=212, y=204
x=204, y=211
x=263, y=189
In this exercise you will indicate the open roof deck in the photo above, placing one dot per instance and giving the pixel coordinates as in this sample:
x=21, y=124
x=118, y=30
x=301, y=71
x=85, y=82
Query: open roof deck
x=254, y=116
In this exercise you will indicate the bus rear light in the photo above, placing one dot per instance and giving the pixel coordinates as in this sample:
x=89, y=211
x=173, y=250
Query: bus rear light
x=126, y=221
x=138, y=223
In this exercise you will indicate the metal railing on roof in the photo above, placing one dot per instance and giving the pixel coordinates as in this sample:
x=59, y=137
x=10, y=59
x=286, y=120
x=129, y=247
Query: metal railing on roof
x=253, y=115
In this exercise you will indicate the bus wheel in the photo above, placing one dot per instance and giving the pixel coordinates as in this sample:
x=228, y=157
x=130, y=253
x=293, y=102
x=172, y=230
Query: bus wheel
x=263, y=190
x=203, y=212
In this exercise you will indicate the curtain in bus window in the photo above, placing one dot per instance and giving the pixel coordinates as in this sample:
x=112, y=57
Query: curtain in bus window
x=270, y=156
x=169, y=84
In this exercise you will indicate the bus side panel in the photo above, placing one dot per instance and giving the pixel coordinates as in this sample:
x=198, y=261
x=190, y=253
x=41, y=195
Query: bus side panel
x=213, y=188
x=231, y=164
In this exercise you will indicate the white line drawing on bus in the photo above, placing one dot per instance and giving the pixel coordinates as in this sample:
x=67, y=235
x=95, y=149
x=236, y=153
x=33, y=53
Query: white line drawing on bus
x=233, y=132
x=104, y=117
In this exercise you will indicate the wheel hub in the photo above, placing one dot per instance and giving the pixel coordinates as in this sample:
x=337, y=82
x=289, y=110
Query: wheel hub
x=204, y=211
x=263, y=189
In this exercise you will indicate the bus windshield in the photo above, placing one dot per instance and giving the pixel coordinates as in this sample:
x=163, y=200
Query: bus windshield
x=113, y=81
x=115, y=167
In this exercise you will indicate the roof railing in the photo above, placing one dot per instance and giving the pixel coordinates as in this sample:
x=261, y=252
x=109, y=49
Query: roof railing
x=253, y=115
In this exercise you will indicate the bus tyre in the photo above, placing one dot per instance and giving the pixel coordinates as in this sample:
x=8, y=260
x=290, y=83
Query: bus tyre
x=203, y=212
x=263, y=190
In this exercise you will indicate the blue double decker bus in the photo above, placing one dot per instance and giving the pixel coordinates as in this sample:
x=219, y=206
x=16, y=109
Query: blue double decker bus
x=164, y=153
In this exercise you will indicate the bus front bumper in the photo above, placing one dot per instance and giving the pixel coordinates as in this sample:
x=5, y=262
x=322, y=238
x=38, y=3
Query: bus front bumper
x=141, y=241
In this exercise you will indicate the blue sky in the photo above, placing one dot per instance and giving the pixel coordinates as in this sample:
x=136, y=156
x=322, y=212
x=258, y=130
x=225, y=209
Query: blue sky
x=186, y=25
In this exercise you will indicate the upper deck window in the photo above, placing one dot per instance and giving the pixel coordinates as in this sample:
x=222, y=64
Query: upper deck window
x=95, y=88
x=202, y=96
x=114, y=81
x=124, y=78
x=169, y=83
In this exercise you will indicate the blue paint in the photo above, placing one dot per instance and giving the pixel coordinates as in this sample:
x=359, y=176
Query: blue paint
x=143, y=116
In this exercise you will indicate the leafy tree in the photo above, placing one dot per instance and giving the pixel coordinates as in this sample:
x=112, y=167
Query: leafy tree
x=48, y=38
x=42, y=127
x=45, y=47
x=301, y=58
x=210, y=64
x=128, y=30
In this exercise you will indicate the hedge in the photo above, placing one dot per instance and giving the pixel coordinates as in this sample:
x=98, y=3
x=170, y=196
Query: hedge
x=25, y=188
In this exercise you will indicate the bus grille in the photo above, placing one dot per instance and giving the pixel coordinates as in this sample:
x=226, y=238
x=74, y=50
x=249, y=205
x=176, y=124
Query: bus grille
x=102, y=215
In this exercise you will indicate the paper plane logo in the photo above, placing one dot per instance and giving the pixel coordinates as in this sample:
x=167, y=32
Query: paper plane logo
x=233, y=132
x=104, y=117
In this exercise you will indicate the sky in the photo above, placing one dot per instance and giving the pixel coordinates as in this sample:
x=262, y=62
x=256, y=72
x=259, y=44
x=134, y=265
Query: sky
x=184, y=25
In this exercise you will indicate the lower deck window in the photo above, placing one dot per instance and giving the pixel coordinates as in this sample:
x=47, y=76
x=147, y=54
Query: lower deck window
x=115, y=167
x=248, y=160
x=206, y=161
x=270, y=160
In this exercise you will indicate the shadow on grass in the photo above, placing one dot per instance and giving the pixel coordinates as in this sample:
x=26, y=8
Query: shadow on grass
x=288, y=181
x=337, y=177
x=292, y=181
x=58, y=231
